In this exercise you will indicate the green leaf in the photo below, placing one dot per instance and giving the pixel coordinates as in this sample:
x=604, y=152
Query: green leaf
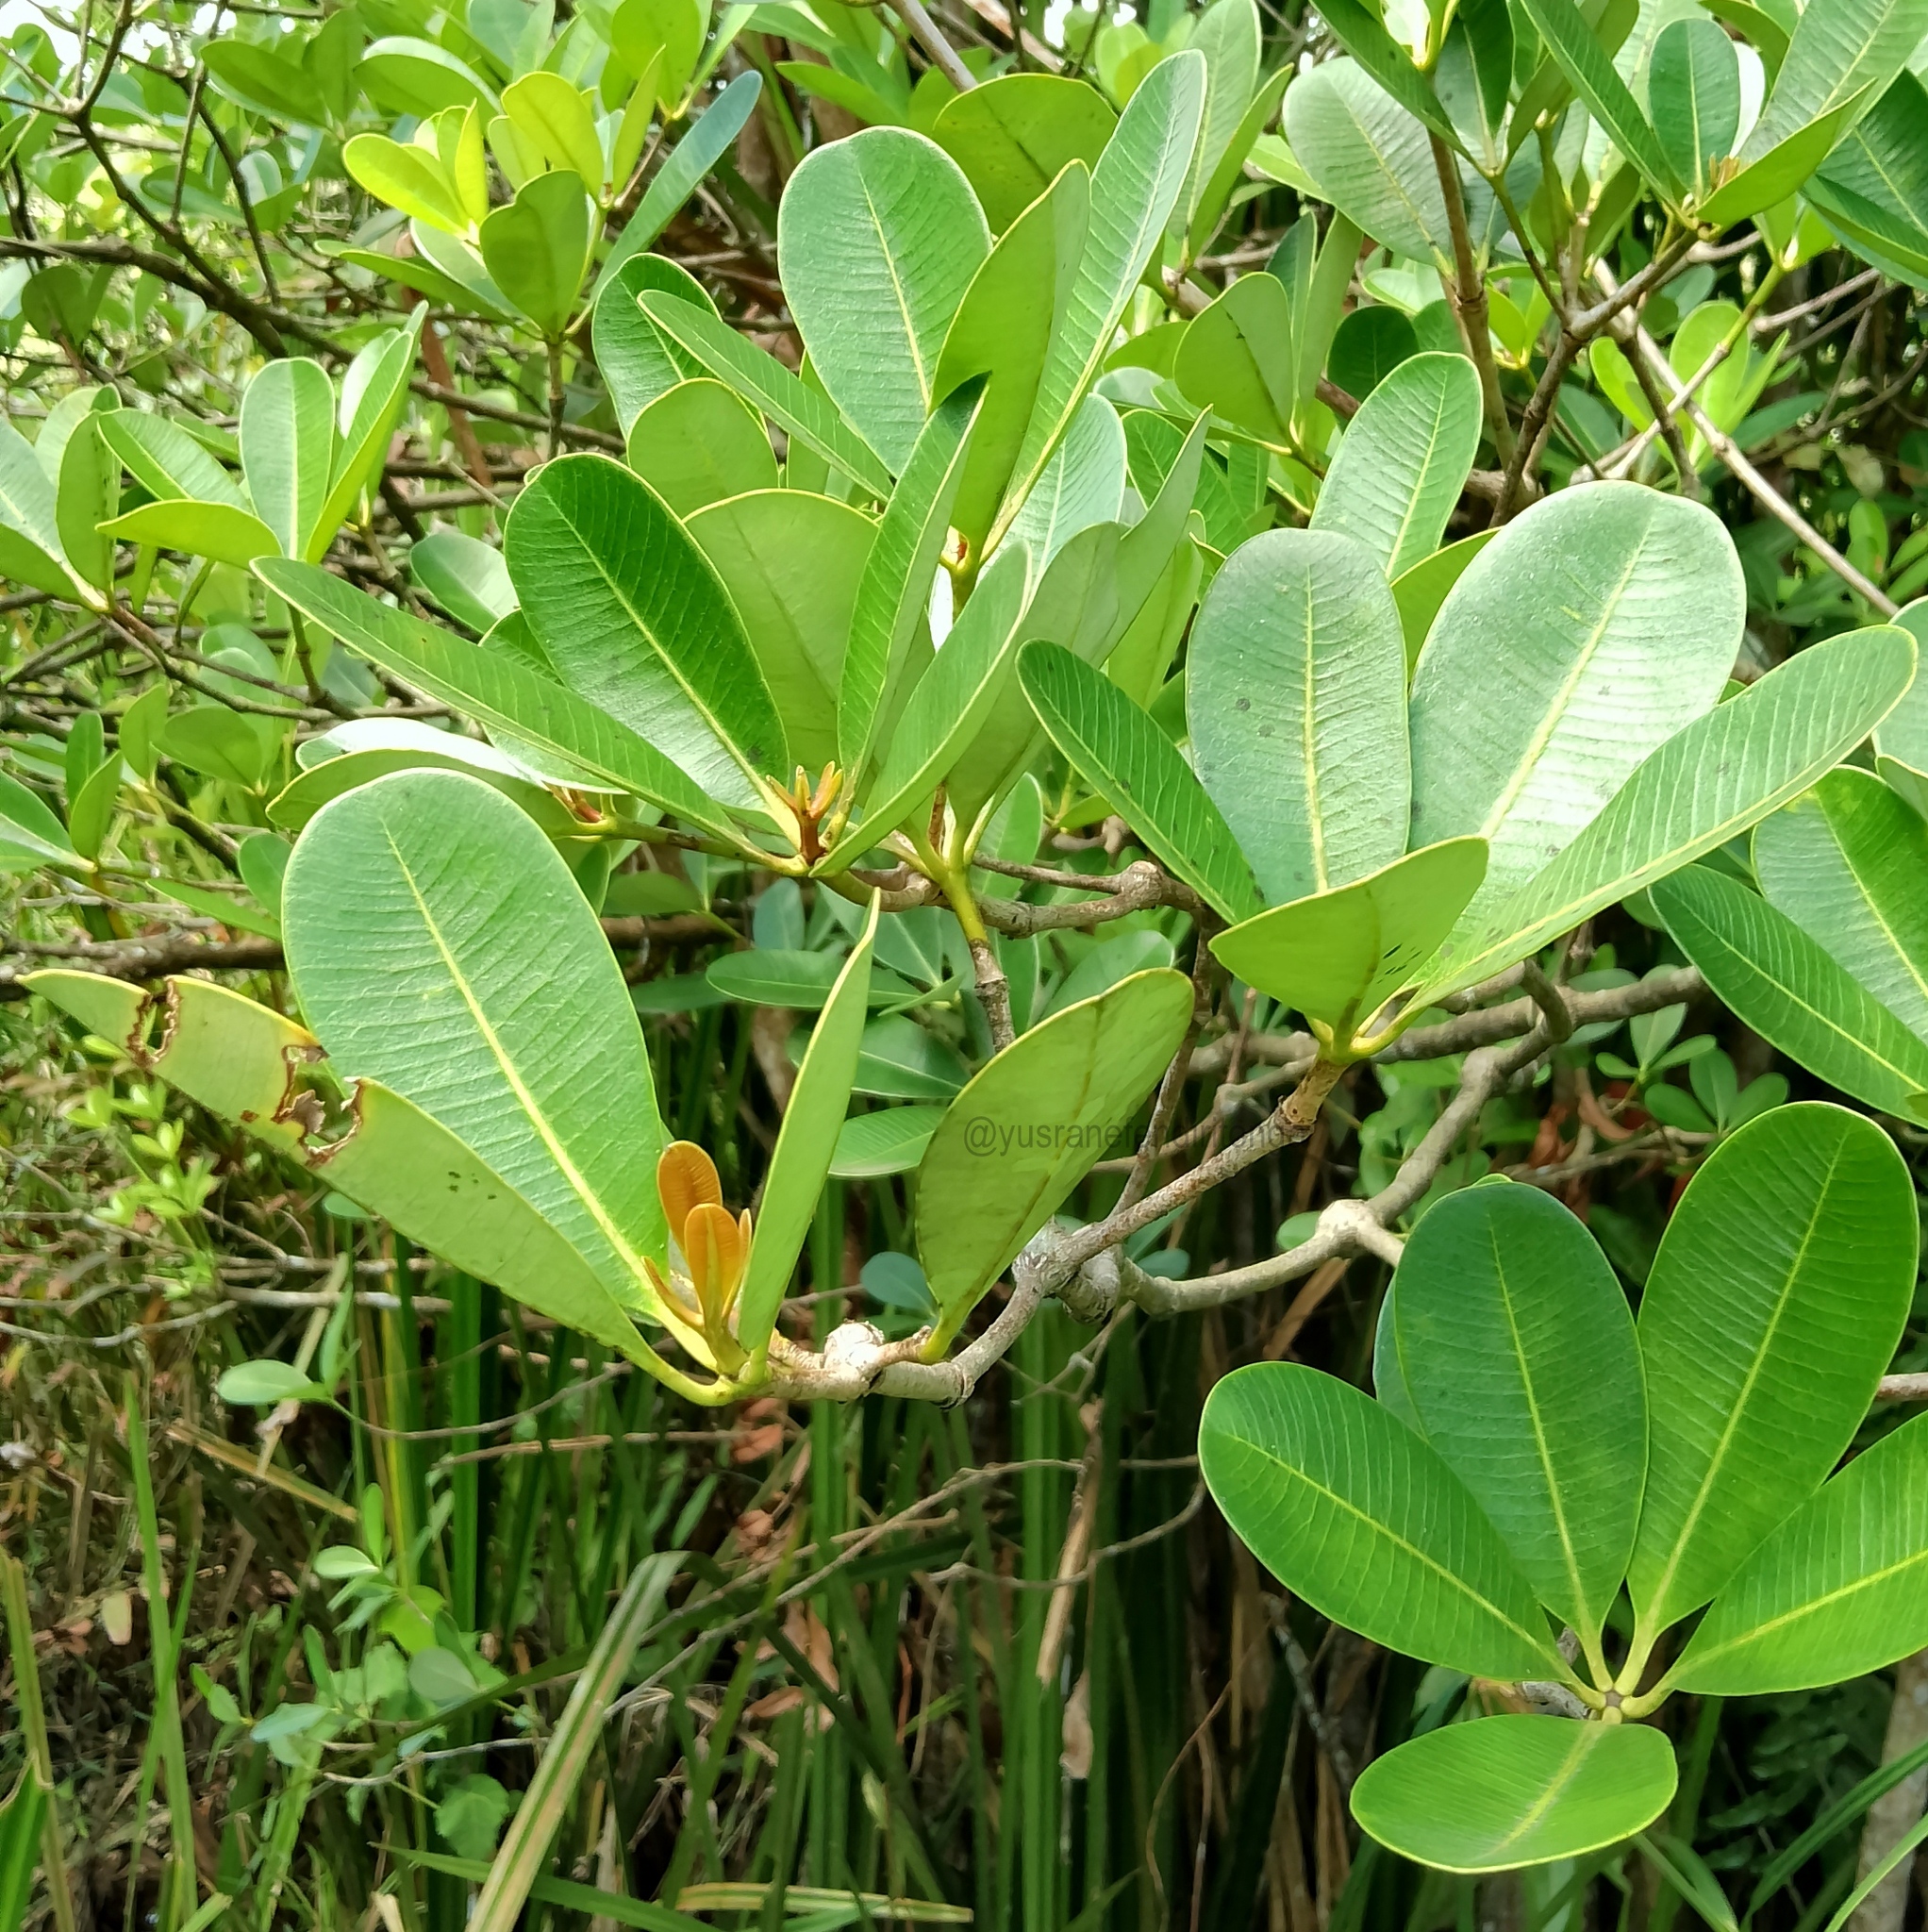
x=30, y=508
x=466, y=577
x=537, y=248
x=1871, y=186
x=948, y=705
x=1516, y=1349
x=1693, y=93
x=1133, y=189
x=786, y=399
x=1404, y=461
x=1706, y=783
x=1227, y=33
x=1371, y=158
x=1362, y=35
x=791, y=562
x=1295, y=695
x=495, y=691
x=1083, y=484
x=1237, y=359
x=879, y=236
x=1420, y=590
x=1588, y=65
x=634, y=620
x=894, y=593
x=807, y=1142
x=1029, y=1125
x=90, y=494
x=533, y=1057
x=166, y=461
x=553, y=116
x=262, y=1384
x=1014, y=136
x=698, y=444
x=288, y=448
x=1773, y=1307
x=770, y=977
x=1140, y=774
x=1004, y=329
x=1782, y=169
x=28, y=829
x=1845, y=862
x=689, y=160
x=373, y=394
x=1841, y=51
x=408, y=178
x=1834, y=1592
x=1338, y=956
x=1503, y=1792
x=1783, y=985
x=1352, y=1511
x=1581, y=638
x=890, y=1141
x=231, y=746
x=404, y=74
x=215, y=530
x=637, y=361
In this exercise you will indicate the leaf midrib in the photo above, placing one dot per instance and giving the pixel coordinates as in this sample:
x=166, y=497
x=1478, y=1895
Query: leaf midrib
x=1812, y=1607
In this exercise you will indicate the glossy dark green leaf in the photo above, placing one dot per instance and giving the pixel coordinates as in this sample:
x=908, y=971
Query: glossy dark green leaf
x=1352, y=1511
x=634, y=619
x=1503, y=1792
x=1785, y=985
x=1771, y=1310
x=1515, y=1348
x=1834, y=1592
x=1140, y=774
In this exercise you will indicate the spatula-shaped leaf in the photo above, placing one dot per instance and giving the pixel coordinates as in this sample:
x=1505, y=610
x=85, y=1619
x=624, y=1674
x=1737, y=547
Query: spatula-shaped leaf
x=1338, y=956
x=1722, y=774
x=1515, y=1790
x=879, y=236
x=1583, y=637
x=789, y=401
x=288, y=448
x=807, y=1142
x=1350, y=1511
x=634, y=358
x=1138, y=771
x=1587, y=65
x=1835, y=1592
x=1404, y=461
x=1773, y=1307
x=1006, y=322
x=1029, y=1125
x=1693, y=87
x=698, y=444
x=949, y=705
x=216, y=530
x=634, y=619
x=1295, y=693
x=1847, y=863
x=166, y=461
x=530, y=1053
x=1517, y=1347
x=1014, y=136
x=1133, y=189
x=239, y=1060
x=791, y=562
x=1082, y=485
x=538, y=246
x=1846, y=46
x=893, y=594
x=496, y=690
x=1779, y=981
